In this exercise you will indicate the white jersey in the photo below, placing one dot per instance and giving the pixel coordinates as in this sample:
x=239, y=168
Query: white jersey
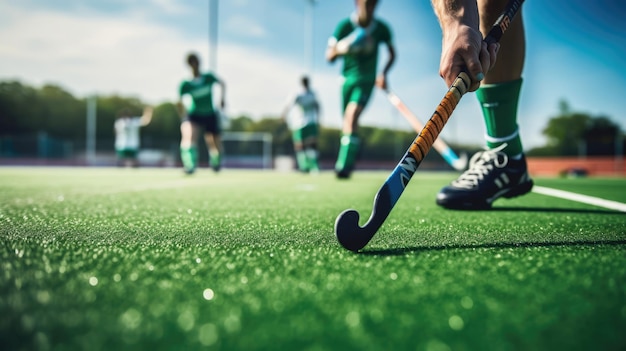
x=127, y=133
x=307, y=113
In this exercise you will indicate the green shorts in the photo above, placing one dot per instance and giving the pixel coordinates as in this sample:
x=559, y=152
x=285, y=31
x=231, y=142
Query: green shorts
x=306, y=132
x=127, y=153
x=358, y=92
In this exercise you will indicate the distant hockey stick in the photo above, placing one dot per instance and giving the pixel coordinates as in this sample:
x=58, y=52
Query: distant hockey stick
x=354, y=237
x=458, y=163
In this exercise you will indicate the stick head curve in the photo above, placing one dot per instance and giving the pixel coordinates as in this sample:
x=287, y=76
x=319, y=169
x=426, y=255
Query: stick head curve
x=348, y=232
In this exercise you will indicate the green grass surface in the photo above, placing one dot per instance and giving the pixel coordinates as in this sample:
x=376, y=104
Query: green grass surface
x=148, y=259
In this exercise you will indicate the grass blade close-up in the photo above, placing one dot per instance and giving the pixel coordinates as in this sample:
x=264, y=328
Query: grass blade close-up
x=150, y=259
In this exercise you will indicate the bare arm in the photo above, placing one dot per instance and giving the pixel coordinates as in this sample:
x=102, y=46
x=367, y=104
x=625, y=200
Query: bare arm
x=147, y=116
x=462, y=44
x=381, y=80
x=286, y=109
x=223, y=90
x=180, y=106
x=331, y=50
x=337, y=48
x=318, y=112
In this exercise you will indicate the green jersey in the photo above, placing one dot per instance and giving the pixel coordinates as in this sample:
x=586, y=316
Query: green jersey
x=362, y=64
x=197, y=94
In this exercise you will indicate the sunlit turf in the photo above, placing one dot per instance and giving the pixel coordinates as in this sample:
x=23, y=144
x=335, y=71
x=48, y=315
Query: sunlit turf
x=150, y=259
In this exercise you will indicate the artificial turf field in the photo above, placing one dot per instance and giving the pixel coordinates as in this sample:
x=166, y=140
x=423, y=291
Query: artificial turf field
x=150, y=259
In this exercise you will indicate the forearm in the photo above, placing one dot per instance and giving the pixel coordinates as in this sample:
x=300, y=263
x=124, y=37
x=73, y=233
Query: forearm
x=331, y=53
x=223, y=87
x=390, y=61
x=147, y=116
x=285, y=112
x=454, y=13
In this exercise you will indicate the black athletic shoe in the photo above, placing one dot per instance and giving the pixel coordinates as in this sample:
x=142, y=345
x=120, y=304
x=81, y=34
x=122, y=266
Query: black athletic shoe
x=343, y=174
x=491, y=175
x=216, y=165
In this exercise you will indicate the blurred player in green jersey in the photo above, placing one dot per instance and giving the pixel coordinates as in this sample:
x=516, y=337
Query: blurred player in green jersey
x=196, y=109
x=304, y=125
x=356, y=39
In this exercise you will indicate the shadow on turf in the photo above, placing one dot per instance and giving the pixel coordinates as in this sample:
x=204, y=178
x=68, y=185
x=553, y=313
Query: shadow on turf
x=405, y=250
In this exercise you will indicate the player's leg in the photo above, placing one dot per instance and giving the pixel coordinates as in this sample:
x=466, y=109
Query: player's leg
x=127, y=157
x=120, y=158
x=501, y=170
x=312, y=155
x=133, y=158
x=213, y=141
x=355, y=97
x=188, y=148
x=297, y=136
x=350, y=141
x=499, y=93
x=310, y=134
x=214, y=144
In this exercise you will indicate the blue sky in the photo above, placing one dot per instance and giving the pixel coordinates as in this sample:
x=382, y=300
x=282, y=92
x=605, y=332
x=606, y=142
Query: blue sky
x=576, y=51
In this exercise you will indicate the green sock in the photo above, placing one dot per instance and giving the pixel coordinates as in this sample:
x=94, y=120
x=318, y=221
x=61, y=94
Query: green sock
x=311, y=155
x=189, y=156
x=347, y=152
x=216, y=160
x=301, y=160
x=499, y=105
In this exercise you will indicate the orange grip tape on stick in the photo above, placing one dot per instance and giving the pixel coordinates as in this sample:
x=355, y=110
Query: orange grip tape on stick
x=425, y=139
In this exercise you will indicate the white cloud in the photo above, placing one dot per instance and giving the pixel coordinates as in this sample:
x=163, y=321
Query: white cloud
x=245, y=26
x=91, y=53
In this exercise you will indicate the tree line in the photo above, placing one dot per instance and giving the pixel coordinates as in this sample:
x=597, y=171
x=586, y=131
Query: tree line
x=27, y=110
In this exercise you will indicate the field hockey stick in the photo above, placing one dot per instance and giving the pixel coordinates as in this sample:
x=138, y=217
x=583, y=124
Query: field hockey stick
x=354, y=237
x=458, y=163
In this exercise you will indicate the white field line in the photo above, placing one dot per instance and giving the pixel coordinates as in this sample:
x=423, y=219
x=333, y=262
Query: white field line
x=613, y=205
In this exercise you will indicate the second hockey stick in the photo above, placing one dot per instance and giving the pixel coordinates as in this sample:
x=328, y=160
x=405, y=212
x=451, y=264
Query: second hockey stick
x=458, y=163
